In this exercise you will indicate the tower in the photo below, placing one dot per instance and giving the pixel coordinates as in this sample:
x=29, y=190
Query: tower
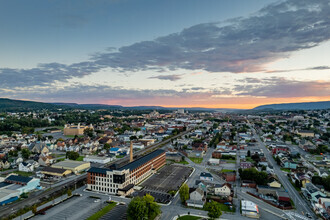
x=131, y=152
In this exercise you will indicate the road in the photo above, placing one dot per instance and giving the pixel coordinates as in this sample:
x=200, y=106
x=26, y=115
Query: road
x=301, y=205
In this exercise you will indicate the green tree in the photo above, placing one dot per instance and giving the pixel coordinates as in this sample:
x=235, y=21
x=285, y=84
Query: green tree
x=137, y=209
x=152, y=207
x=106, y=146
x=69, y=192
x=249, y=153
x=89, y=132
x=213, y=208
x=72, y=155
x=184, y=193
x=278, y=160
x=34, y=209
x=25, y=153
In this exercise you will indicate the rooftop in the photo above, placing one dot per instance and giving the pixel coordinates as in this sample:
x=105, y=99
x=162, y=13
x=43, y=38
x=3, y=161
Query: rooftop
x=20, y=179
x=69, y=163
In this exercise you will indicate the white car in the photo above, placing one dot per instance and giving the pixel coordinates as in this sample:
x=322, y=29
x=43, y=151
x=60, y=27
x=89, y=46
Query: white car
x=97, y=200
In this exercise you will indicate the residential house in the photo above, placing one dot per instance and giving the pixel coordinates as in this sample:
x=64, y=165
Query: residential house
x=312, y=192
x=25, y=167
x=45, y=160
x=206, y=176
x=224, y=190
x=274, y=184
x=196, y=198
x=246, y=165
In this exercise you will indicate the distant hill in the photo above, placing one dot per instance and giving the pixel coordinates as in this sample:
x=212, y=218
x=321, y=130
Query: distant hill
x=295, y=106
x=19, y=105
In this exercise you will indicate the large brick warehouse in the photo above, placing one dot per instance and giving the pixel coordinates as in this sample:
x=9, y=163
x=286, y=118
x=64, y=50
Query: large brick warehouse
x=121, y=181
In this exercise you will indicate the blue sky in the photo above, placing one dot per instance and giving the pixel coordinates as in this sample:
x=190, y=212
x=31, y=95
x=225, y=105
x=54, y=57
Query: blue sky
x=172, y=53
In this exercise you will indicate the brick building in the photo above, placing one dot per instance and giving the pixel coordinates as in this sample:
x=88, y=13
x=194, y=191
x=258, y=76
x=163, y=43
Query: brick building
x=122, y=180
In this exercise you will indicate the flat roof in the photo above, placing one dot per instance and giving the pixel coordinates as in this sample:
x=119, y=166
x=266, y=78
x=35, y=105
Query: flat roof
x=16, y=178
x=53, y=170
x=4, y=184
x=69, y=163
x=136, y=163
x=98, y=170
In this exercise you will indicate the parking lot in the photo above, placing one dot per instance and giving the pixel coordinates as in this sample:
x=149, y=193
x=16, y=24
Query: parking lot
x=168, y=178
x=75, y=208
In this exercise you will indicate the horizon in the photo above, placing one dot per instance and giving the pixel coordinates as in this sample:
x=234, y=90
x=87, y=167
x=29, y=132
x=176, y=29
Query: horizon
x=174, y=54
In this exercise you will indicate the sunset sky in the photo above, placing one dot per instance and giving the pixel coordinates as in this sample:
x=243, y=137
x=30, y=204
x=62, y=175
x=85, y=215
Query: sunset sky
x=177, y=53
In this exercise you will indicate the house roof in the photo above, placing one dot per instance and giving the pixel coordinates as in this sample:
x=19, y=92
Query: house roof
x=54, y=170
x=20, y=179
x=204, y=174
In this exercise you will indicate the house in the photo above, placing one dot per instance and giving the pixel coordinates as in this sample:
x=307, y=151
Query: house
x=248, y=183
x=45, y=160
x=216, y=154
x=25, y=167
x=115, y=151
x=246, y=165
x=40, y=148
x=274, y=184
x=280, y=149
x=195, y=153
x=282, y=196
x=196, y=198
x=206, y=176
x=312, y=192
x=229, y=176
x=306, y=133
x=224, y=190
x=325, y=203
x=289, y=164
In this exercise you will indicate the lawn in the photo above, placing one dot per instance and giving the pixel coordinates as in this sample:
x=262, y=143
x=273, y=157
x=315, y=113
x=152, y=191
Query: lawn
x=189, y=217
x=102, y=212
x=196, y=159
x=226, y=170
x=181, y=162
x=225, y=208
x=27, y=174
x=119, y=156
x=80, y=158
x=230, y=161
x=285, y=169
x=249, y=159
x=318, y=158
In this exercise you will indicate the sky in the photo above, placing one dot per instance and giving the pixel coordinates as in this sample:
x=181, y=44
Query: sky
x=187, y=53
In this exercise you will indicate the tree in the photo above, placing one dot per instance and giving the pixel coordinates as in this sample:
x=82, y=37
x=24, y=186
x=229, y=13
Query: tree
x=25, y=153
x=69, y=192
x=89, y=132
x=137, y=209
x=278, y=160
x=106, y=146
x=184, y=193
x=72, y=155
x=133, y=137
x=213, y=208
x=249, y=153
x=34, y=209
x=152, y=207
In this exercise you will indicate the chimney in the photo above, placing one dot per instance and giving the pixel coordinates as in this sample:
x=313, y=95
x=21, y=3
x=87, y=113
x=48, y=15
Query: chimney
x=131, y=152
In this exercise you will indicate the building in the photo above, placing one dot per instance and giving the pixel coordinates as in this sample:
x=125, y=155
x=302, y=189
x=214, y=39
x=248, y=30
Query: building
x=305, y=133
x=14, y=185
x=118, y=180
x=224, y=190
x=97, y=159
x=249, y=209
x=246, y=165
x=75, y=129
x=196, y=198
x=25, y=167
x=74, y=166
x=229, y=176
x=206, y=176
x=51, y=171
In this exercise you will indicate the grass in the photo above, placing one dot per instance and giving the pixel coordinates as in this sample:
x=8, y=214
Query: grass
x=226, y=208
x=27, y=174
x=61, y=159
x=249, y=159
x=294, y=185
x=196, y=159
x=318, y=158
x=189, y=217
x=181, y=162
x=102, y=212
x=230, y=161
x=119, y=156
x=80, y=158
x=285, y=169
x=72, y=136
x=226, y=170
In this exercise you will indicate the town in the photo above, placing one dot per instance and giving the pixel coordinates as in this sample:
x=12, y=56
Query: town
x=111, y=164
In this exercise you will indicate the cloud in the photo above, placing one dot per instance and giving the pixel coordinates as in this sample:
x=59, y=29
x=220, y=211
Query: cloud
x=282, y=88
x=244, y=44
x=305, y=69
x=167, y=77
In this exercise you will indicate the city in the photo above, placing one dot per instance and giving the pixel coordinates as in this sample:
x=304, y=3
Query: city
x=262, y=165
x=164, y=109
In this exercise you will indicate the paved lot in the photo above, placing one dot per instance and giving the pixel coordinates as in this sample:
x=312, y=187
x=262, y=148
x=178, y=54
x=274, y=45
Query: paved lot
x=168, y=178
x=117, y=213
x=76, y=208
